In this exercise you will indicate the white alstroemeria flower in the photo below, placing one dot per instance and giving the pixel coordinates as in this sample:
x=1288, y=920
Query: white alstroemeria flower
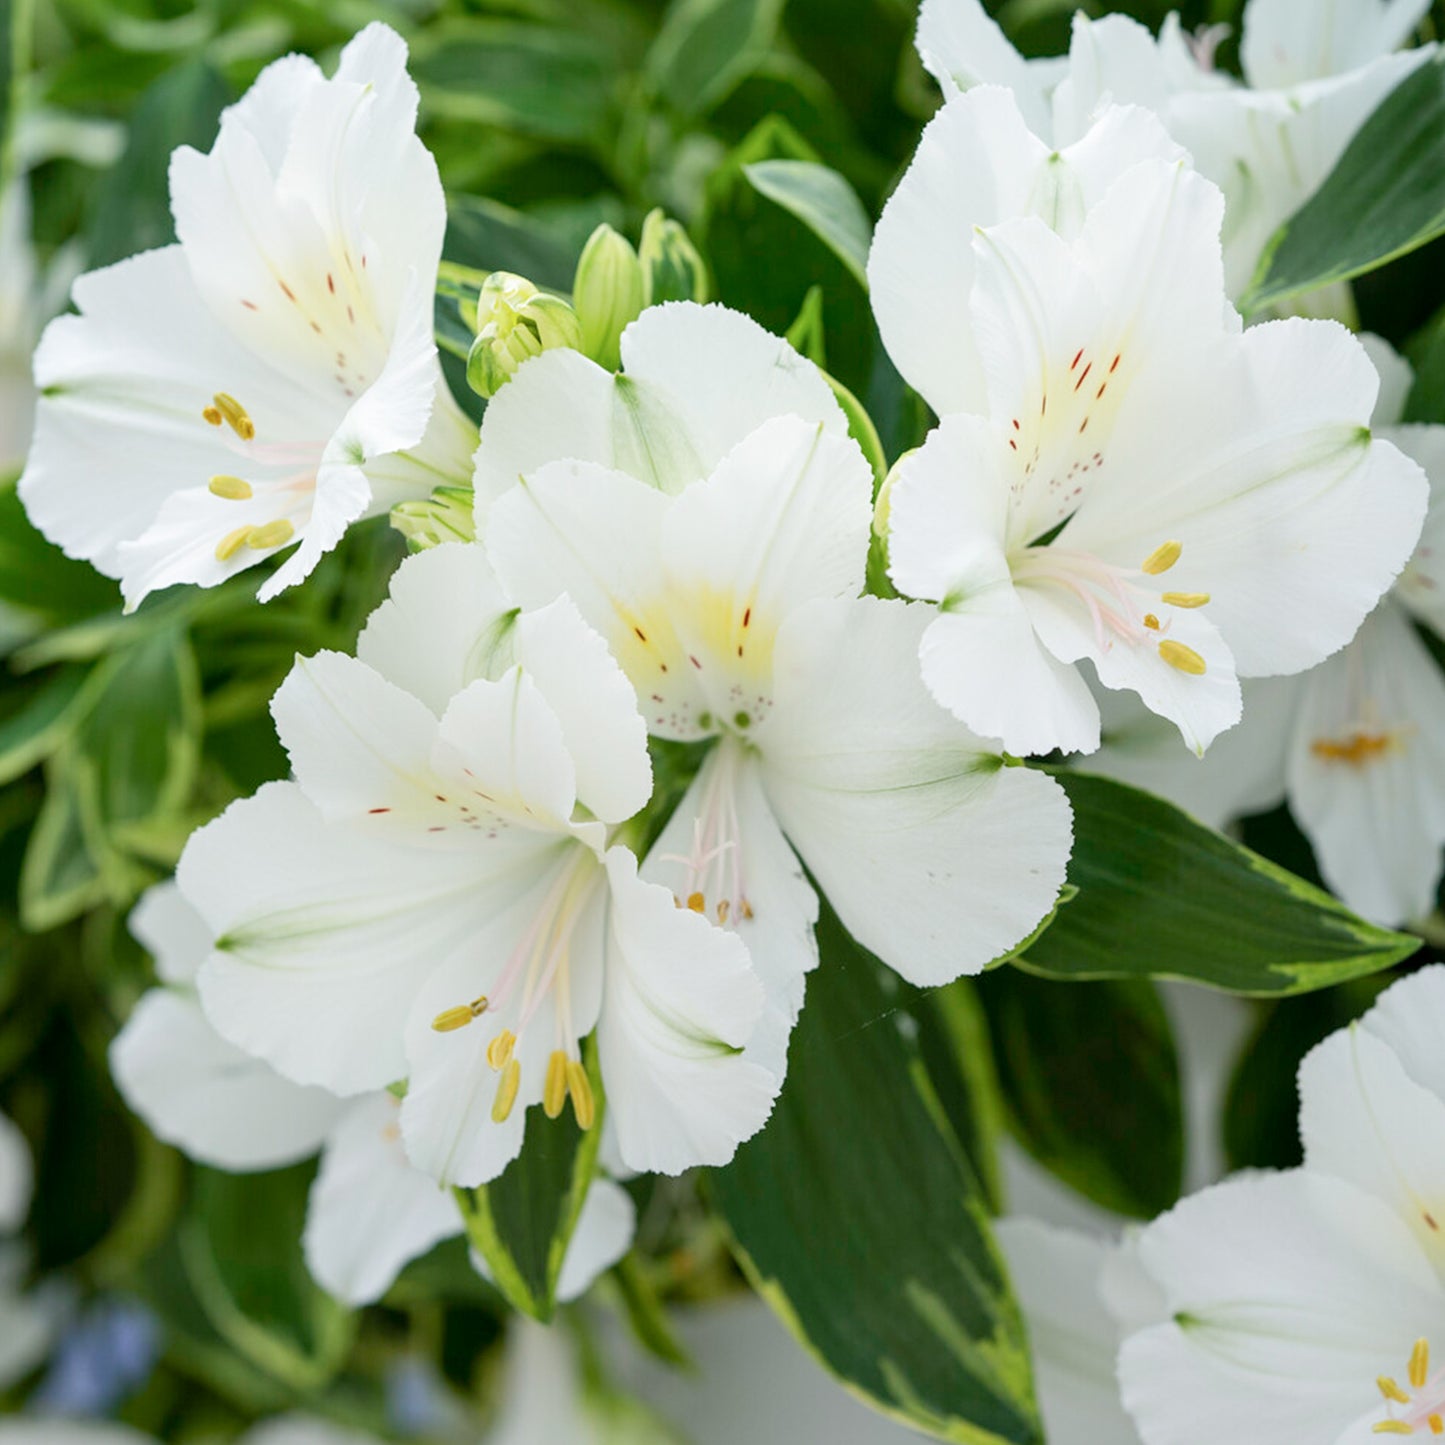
x=272, y=377
x=733, y=608
x=695, y=381
x=1356, y=745
x=443, y=855
x=1139, y=483
x=1314, y=71
x=1301, y=1306
x=27, y=1326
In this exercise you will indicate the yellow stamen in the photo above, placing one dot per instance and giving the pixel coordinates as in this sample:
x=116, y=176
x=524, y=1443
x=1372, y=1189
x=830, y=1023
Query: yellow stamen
x=273, y=534
x=1391, y=1391
x=507, y=1087
x=1436, y=1424
x=1420, y=1363
x=1162, y=558
x=499, y=1051
x=723, y=909
x=1393, y=1427
x=554, y=1092
x=1357, y=750
x=1185, y=599
x=234, y=413
x=233, y=489
x=1183, y=658
x=231, y=543
x=745, y=908
x=580, y=1086
x=697, y=902
x=459, y=1017
x=1151, y=622
x=212, y=415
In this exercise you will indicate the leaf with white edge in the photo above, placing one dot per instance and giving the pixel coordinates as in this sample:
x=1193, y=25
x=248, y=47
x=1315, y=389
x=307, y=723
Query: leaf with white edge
x=824, y=202
x=704, y=48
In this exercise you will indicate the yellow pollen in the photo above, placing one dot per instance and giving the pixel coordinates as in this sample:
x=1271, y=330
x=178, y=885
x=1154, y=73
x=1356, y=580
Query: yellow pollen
x=1391, y=1391
x=231, y=543
x=507, y=1087
x=745, y=908
x=1358, y=749
x=1420, y=1363
x=723, y=909
x=234, y=413
x=1185, y=599
x=697, y=902
x=1162, y=558
x=1436, y=1424
x=554, y=1092
x=233, y=489
x=1151, y=622
x=1182, y=658
x=212, y=415
x=580, y=1086
x=273, y=534
x=460, y=1016
x=1393, y=1427
x=499, y=1051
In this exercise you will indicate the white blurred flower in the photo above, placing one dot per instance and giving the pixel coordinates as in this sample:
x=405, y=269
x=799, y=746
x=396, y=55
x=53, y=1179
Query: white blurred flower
x=27, y=1325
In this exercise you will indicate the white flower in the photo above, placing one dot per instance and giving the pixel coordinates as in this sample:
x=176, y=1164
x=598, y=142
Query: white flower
x=27, y=1325
x=272, y=377
x=1139, y=483
x=1300, y=1306
x=733, y=608
x=443, y=857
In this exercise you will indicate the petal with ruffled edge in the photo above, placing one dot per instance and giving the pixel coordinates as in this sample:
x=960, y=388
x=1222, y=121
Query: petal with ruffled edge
x=1408, y=1016
x=1289, y=41
x=171, y=931
x=935, y=855
x=679, y=1006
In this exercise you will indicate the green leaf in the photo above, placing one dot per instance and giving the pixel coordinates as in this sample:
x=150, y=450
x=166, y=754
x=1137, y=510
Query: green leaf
x=1384, y=198
x=857, y=1218
x=705, y=48
x=63, y=873
x=1162, y=896
x=806, y=335
x=488, y=236
x=39, y=578
x=522, y=1222
x=824, y=202
x=43, y=721
x=1091, y=1078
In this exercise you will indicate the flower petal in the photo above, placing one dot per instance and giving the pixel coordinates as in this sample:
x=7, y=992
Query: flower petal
x=16, y=1177
x=603, y=1235
x=1408, y=1016
x=1421, y=586
x=1289, y=41
x=171, y=931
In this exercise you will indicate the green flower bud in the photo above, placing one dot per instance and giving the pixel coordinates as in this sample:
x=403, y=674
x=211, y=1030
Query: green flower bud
x=608, y=292
x=672, y=269
x=445, y=516
x=515, y=322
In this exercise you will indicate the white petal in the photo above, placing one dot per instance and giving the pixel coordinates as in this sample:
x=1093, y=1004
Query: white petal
x=17, y=1177
x=57, y=1430
x=1408, y=1016
x=603, y=1235
x=962, y=46
x=1290, y=1294
x=208, y=1098
x=298, y=1429
x=1287, y=41
x=370, y=1212
x=679, y=1006
x=936, y=857
x=1396, y=379
x=171, y=931
x=1367, y=769
x=1421, y=586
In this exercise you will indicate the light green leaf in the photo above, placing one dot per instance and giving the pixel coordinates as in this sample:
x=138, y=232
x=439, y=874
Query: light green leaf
x=857, y=1217
x=706, y=47
x=824, y=202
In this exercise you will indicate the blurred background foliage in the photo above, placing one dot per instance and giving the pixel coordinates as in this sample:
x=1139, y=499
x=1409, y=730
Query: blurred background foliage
x=119, y=735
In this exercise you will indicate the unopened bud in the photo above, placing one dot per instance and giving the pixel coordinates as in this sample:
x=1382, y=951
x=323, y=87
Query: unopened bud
x=672, y=269
x=515, y=322
x=608, y=292
x=445, y=516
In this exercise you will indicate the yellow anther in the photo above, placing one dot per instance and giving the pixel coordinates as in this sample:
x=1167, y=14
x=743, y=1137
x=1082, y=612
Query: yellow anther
x=1393, y=1427
x=1151, y=622
x=697, y=902
x=745, y=908
x=459, y=1017
x=231, y=543
x=499, y=1051
x=1182, y=658
x=1436, y=1424
x=213, y=415
x=554, y=1091
x=507, y=1087
x=1420, y=1363
x=723, y=909
x=234, y=413
x=1185, y=599
x=580, y=1087
x=233, y=489
x=1391, y=1391
x=1162, y=558
x=273, y=534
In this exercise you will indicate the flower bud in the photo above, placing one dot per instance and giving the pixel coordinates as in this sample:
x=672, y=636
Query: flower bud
x=672, y=269
x=515, y=321
x=608, y=292
x=445, y=516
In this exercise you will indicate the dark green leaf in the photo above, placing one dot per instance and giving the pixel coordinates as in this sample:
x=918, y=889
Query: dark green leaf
x=39, y=578
x=824, y=202
x=1163, y=896
x=1091, y=1078
x=857, y=1217
x=41, y=723
x=1384, y=198
x=490, y=237
x=705, y=47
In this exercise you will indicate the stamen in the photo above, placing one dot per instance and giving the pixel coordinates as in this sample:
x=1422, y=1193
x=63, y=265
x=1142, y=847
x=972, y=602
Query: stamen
x=459, y=1017
x=1182, y=658
x=580, y=1086
x=507, y=1087
x=499, y=1051
x=1151, y=622
x=697, y=902
x=273, y=534
x=554, y=1092
x=234, y=413
x=1436, y=1424
x=1162, y=558
x=233, y=489
x=212, y=415
x=232, y=543
x=1185, y=599
x=724, y=907
x=1420, y=1363
x=1393, y=1427
x=1391, y=1391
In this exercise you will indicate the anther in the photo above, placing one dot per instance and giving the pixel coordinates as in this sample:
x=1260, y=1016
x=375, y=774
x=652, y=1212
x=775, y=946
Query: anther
x=745, y=908
x=233, y=489
x=723, y=909
x=499, y=1051
x=1420, y=1363
x=234, y=413
x=1436, y=1424
x=273, y=534
x=212, y=415
x=697, y=902
x=1393, y=1427
x=507, y=1087
x=460, y=1016
x=1185, y=599
x=231, y=543
x=1162, y=558
x=580, y=1087
x=1391, y=1391
x=1182, y=658
x=1151, y=622
x=554, y=1091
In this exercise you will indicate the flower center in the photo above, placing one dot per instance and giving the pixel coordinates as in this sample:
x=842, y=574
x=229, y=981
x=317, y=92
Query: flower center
x=1421, y=1408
